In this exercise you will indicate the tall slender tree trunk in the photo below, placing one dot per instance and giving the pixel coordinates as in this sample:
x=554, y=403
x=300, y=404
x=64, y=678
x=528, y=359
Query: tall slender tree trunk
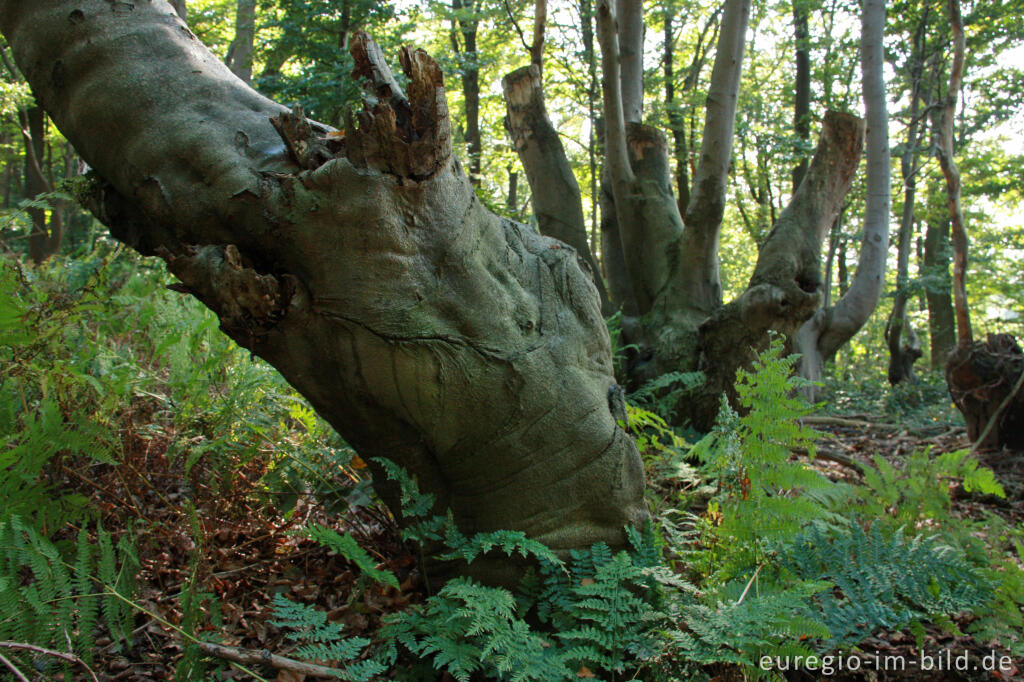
x=801, y=83
x=467, y=22
x=944, y=151
x=240, y=53
x=984, y=377
x=463, y=346
x=46, y=234
x=938, y=290
x=901, y=339
x=827, y=330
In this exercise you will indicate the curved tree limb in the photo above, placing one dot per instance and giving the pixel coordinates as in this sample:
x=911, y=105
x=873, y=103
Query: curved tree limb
x=703, y=214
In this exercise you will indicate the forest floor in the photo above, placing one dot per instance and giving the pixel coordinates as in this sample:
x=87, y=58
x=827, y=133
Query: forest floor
x=247, y=555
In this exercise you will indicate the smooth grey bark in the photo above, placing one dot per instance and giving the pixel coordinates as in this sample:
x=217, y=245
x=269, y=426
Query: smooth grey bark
x=828, y=329
x=630, y=29
x=557, y=202
x=181, y=7
x=240, y=53
x=629, y=32
x=676, y=116
x=463, y=346
x=704, y=213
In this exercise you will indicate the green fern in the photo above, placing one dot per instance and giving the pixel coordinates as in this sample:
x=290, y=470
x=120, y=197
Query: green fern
x=347, y=547
x=323, y=640
x=882, y=580
x=762, y=495
x=47, y=601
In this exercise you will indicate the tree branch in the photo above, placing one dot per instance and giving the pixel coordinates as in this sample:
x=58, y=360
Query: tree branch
x=250, y=657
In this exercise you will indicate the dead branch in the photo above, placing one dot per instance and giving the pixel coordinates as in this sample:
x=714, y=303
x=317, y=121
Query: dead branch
x=264, y=657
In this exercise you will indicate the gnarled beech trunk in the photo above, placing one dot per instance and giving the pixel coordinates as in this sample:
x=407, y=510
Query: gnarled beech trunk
x=672, y=259
x=463, y=346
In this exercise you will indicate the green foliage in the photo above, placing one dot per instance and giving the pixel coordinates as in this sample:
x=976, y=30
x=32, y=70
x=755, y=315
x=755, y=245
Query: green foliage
x=323, y=640
x=921, y=490
x=51, y=602
x=762, y=496
x=882, y=579
x=51, y=403
x=662, y=394
x=347, y=547
x=197, y=607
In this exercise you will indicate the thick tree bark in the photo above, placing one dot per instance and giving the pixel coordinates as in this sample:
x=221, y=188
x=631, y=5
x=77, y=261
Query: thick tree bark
x=240, y=52
x=463, y=346
x=556, y=195
x=827, y=330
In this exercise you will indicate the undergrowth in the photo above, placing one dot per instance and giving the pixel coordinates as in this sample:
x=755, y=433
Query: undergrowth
x=783, y=563
x=749, y=553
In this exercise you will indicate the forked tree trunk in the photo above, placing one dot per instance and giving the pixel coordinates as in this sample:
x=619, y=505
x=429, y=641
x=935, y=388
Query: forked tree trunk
x=829, y=329
x=463, y=346
x=674, y=269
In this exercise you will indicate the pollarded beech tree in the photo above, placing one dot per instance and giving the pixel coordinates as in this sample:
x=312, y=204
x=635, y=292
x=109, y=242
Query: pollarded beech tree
x=668, y=284
x=463, y=346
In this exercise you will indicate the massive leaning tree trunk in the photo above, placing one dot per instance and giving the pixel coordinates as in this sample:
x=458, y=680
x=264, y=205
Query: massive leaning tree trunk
x=463, y=346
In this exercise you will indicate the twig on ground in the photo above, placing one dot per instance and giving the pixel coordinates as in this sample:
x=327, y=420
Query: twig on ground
x=250, y=657
x=71, y=658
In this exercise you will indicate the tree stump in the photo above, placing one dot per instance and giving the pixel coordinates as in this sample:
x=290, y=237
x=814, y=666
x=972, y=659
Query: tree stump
x=984, y=382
